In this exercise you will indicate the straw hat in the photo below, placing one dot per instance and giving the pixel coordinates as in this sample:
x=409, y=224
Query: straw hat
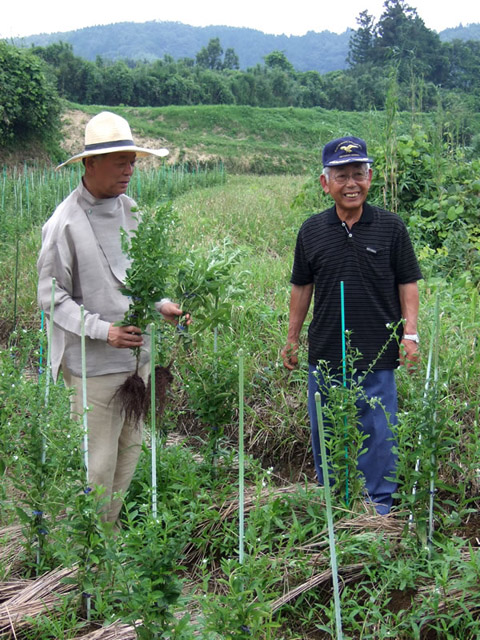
x=106, y=133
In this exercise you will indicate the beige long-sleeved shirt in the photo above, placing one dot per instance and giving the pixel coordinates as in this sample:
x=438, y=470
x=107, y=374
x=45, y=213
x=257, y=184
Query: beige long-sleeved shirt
x=81, y=249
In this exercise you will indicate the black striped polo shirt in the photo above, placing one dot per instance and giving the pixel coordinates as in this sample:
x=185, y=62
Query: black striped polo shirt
x=371, y=259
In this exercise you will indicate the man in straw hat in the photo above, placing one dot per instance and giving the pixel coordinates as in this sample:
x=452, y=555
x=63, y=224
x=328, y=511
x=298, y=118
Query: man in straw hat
x=369, y=251
x=81, y=249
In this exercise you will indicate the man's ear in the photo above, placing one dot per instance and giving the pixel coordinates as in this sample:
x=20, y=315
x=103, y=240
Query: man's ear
x=324, y=183
x=89, y=163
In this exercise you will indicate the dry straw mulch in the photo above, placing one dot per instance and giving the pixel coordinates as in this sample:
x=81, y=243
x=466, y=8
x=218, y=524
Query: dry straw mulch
x=33, y=598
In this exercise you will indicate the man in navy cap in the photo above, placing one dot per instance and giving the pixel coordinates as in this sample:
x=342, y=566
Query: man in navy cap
x=358, y=263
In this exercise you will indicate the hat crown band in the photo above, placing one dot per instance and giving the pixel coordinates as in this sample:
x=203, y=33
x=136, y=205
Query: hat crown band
x=108, y=145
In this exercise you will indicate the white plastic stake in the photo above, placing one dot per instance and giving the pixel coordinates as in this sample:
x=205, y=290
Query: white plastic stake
x=152, y=420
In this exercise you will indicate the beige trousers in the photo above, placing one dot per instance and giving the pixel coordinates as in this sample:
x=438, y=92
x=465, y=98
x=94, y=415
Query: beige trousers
x=114, y=445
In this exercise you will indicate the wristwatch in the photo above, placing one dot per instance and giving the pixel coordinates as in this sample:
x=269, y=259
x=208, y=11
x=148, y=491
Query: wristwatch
x=411, y=336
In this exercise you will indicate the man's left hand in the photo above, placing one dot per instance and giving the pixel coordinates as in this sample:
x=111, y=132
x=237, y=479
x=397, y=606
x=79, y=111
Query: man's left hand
x=171, y=311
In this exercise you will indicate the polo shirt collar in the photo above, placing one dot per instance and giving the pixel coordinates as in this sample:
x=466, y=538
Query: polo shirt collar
x=366, y=218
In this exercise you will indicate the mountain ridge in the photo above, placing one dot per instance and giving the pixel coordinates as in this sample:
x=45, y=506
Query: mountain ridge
x=321, y=51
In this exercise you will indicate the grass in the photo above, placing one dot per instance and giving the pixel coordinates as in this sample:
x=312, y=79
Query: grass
x=250, y=139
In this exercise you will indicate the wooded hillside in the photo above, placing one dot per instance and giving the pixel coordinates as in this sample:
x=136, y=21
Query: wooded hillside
x=315, y=51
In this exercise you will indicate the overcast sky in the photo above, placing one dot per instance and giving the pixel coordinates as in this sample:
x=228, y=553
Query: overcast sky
x=28, y=17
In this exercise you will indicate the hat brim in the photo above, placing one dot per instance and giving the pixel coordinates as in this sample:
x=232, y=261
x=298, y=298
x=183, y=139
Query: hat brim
x=350, y=160
x=140, y=151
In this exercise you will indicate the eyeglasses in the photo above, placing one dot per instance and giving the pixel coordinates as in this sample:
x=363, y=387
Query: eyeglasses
x=342, y=177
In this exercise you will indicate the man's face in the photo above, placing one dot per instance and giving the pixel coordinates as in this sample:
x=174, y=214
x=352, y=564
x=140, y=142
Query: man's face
x=108, y=175
x=348, y=185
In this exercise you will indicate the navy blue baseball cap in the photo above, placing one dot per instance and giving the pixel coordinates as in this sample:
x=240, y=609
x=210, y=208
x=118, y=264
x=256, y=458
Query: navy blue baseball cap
x=344, y=151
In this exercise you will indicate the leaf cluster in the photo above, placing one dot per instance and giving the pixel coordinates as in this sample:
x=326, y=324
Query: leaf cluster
x=30, y=106
x=150, y=251
x=207, y=285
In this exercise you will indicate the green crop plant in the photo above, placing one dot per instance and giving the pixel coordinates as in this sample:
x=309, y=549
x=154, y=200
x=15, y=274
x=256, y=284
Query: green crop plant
x=149, y=249
x=41, y=455
x=209, y=288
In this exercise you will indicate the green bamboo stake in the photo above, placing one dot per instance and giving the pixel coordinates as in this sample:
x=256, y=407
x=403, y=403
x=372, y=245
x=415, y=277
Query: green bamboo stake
x=15, y=286
x=152, y=419
x=241, y=465
x=49, y=359
x=331, y=532
x=344, y=376
x=4, y=187
x=27, y=189
x=139, y=186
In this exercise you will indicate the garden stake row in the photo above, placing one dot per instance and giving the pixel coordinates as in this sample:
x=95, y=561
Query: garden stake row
x=344, y=377
x=241, y=496
x=328, y=504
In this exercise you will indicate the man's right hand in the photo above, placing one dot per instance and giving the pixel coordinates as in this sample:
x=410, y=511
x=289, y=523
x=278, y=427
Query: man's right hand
x=124, y=337
x=289, y=355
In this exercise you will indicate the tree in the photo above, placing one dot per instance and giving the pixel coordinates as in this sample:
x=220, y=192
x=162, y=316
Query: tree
x=118, y=84
x=464, y=65
x=29, y=104
x=230, y=60
x=210, y=57
x=401, y=35
x=278, y=60
x=362, y=41
x=215, y=89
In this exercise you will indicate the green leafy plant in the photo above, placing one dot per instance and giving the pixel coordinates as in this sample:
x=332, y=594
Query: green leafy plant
x=146, y=282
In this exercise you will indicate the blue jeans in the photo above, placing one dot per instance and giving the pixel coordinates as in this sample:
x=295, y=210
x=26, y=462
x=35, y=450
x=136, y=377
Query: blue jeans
x=379, y=461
